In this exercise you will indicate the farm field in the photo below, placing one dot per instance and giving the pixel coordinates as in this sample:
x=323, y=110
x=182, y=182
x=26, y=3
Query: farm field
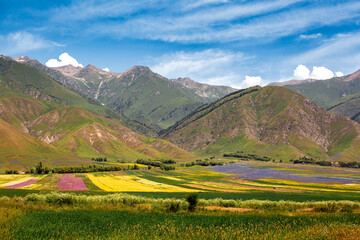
x=246, y=200
x=248, y=177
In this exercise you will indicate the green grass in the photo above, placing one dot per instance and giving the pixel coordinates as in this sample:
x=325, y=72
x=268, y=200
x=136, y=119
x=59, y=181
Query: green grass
x=82, y=224
x=273, y=196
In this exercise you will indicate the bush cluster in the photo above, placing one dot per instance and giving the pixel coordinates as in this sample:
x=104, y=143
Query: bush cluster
x=167, y=164
x=99, y=159
x=247, y=156
x=204, y=163
x=306, y=160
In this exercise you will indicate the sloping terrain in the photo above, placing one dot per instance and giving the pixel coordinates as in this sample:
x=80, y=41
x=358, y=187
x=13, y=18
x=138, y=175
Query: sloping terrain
x=273, y=121
x=138, y=93
x=38, y=125
x=348, y=106
x=36, y=84
x=325, y=92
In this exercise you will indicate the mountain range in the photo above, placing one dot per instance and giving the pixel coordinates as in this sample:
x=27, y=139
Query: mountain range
x=339, y=94
x=137, y=93
x=272, y=121
x=49, y=122
x=67, y=115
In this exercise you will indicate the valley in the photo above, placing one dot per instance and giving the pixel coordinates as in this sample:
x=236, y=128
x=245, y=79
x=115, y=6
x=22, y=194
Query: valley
x=83, y=141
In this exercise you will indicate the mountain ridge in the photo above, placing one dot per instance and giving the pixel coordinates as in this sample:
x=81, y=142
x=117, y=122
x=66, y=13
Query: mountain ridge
x=269, y=120
x=171, y=99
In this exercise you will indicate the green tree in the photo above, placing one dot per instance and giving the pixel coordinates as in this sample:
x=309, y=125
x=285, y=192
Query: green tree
x=39, y=168
x=192, y=199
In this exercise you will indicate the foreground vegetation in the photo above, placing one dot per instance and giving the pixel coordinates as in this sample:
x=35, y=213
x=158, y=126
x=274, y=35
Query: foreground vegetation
x=123, y=216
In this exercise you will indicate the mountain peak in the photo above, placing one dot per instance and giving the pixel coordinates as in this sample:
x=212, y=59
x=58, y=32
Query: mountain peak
x=22, y=59
x=92, y=67
x=138, y=69
x=352, y=76
x=69, y=69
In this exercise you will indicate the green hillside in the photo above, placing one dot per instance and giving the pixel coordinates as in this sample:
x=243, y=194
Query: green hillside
x=37, y=125
x=348, y=106
x=137, y=93
x=272, y=121
x=36, y=84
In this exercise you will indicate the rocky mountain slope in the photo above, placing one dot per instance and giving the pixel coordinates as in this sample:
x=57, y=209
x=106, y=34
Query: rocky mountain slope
x=42, y=120
x=138, y=93
x=35, y=83
x=273, y=121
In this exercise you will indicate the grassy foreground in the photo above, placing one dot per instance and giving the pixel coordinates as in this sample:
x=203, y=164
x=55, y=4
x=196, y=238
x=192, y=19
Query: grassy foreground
x=123, y=216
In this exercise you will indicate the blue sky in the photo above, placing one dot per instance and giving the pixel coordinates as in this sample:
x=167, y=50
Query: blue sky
x=223, y=42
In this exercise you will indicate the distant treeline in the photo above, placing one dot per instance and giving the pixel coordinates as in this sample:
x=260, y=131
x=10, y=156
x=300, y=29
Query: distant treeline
x=163, y=164
x=205, y=162
x=306, y=160
x=93, y=168
x=39, y=169
x=247, y=156
x=99, y=159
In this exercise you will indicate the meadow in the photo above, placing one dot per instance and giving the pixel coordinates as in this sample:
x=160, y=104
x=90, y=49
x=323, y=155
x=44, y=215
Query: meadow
x=247, y=200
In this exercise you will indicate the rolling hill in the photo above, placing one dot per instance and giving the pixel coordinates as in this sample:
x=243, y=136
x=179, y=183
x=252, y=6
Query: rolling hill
x=272, y=121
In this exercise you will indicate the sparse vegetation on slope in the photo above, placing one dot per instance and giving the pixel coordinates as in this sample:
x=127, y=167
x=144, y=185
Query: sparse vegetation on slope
x=274, y=121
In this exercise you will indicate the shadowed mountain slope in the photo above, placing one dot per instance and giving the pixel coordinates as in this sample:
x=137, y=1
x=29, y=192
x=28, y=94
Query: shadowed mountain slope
x=273, y=121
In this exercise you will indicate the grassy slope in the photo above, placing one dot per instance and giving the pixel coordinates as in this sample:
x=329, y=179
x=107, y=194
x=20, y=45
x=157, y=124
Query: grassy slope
x=144, y=95
x=256, y=122
x=78, y=132
x=89, y=135
x=348, y=106
x=30, y=81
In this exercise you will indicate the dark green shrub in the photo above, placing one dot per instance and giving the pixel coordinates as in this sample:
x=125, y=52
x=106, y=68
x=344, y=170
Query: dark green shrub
x=192, y=199
x=174, y=206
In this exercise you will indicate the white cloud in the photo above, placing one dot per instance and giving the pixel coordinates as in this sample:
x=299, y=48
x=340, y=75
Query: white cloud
x=339, y=74
x=65, y=59
x=106, y=69
x=311, y=36
x=22, y=42
x=250, y=81
x=215, y=24
x=345, y=47
x=321, y=73
x=209, y=66
x=301, y=72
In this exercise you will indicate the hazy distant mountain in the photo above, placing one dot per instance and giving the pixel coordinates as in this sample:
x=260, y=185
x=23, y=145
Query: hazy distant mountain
x=291, y=82
x=338, y=94
x=273, y=121
x=138, y=93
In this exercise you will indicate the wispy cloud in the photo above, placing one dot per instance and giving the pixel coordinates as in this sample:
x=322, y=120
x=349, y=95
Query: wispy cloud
x=310, y=36
x=230, y=23
x=211, y=66
x=341, y=52
x=23, y=42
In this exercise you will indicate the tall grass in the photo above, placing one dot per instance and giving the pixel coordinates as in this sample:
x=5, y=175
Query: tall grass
x=131, y=200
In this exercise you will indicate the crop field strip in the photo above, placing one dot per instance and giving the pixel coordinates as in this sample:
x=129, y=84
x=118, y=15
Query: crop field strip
x=213, y=179
x=119, y=216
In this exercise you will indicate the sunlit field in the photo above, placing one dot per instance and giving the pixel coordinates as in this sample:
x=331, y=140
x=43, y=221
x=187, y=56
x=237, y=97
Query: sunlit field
x=248, y=200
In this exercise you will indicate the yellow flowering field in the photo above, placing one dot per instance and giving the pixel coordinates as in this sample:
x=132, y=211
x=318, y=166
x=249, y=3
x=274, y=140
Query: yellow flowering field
x=11, y=180
x=7, y=180
x=130, y=183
